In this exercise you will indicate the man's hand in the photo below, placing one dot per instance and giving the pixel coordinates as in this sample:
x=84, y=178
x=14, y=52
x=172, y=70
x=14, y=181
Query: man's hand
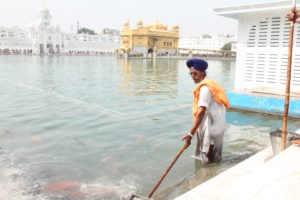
x=187, y=139
x=294, y=16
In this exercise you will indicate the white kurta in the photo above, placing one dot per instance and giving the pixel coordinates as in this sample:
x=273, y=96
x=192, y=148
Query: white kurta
x=212, y=127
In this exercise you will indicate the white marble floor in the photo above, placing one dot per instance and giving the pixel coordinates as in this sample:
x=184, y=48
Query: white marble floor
x=261, y=177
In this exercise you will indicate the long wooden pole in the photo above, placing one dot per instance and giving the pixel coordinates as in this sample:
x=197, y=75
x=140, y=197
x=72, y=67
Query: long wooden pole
x=288, y=80
x=166, y=172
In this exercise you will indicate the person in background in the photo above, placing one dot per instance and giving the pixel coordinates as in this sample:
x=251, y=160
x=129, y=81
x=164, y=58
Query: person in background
x=209, y=114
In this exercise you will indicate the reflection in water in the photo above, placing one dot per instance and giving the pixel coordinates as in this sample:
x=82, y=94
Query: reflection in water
x=149, y=77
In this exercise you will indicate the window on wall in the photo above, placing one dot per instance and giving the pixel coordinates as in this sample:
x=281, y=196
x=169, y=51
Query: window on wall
x=271, y=32
x=286, y=33
x=252, y=37
x=263, y=67
x=297, y=35
x=263, y=33
x=296, y=68
x=275, y=32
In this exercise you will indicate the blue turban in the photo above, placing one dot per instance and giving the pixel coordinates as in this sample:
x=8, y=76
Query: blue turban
x=197, y=63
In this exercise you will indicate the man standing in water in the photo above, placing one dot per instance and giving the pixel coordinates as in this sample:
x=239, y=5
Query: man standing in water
x=209, y=112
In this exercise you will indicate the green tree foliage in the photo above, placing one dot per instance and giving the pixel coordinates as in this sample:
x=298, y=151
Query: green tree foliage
x=204, y=36
x=86, y=31
x=226, y=47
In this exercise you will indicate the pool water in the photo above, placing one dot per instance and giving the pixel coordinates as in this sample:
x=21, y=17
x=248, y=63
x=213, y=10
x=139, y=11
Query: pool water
x=105, y=128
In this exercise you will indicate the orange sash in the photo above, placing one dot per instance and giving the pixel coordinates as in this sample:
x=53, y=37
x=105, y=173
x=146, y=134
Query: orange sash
x=216, y=90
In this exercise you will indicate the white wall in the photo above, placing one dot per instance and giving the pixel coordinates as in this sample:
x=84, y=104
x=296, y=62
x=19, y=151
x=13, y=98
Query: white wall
x=215, y=43
x=262, y=51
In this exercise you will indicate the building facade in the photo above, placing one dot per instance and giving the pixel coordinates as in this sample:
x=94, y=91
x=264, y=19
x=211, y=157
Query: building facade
x=208, y=42
x=154, y=38
x=262, y=45
x=44, y=38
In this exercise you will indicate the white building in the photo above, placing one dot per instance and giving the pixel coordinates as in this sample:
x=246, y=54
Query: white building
x=207, y=42
x=42, y=37
x=14, y=40
x=262, y=46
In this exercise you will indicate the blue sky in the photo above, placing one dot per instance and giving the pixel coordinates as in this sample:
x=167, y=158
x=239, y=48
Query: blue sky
x=194, y=17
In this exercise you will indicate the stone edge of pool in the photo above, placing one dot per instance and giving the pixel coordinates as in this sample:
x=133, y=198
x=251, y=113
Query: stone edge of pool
x=261, y=176
x=272, y=104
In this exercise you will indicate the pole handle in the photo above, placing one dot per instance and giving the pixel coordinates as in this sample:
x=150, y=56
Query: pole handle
x=288, y=80
x=294, y=3
x=166, y=172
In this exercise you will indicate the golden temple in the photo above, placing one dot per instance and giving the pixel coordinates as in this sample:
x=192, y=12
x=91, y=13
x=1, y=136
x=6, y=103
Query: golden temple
x=151, y=39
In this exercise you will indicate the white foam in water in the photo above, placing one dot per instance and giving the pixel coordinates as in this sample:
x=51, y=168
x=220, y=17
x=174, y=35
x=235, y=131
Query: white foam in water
x=110, y=190
x=12, y=183
x=13, y=186
x=101, y=108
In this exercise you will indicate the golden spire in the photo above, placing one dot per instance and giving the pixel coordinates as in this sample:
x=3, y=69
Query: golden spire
x=140, y=23
x=126, y=24
x=175, y=28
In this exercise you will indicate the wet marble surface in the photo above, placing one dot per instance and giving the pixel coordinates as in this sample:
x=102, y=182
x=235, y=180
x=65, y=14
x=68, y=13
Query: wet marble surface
x=259, y=177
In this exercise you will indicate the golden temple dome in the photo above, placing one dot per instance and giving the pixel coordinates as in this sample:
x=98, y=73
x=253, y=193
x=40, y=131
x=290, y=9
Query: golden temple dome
x=175, y=28
x=126, y=24
x=157, y=25
x=140, y=23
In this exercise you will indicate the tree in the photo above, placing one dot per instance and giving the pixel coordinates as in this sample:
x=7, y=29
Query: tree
x=86, y=31
x=205, y=36
x=226, y=47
